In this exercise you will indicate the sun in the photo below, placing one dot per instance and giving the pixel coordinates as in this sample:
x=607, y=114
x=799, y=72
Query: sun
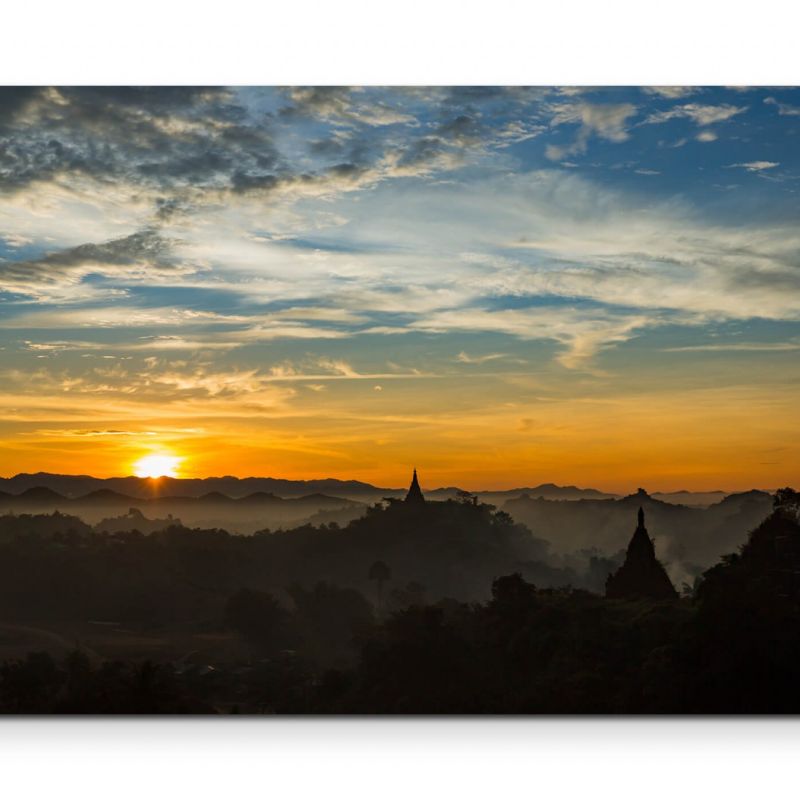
x=157, y=465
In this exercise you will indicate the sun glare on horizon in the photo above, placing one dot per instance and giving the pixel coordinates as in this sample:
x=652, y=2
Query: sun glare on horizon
x=157, y=465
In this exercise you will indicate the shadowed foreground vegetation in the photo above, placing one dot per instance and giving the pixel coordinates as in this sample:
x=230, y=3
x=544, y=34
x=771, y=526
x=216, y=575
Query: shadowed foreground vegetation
x=322, y=647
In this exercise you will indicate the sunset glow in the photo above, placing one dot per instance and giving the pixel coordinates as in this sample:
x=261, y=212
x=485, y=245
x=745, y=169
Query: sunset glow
x=156, y=466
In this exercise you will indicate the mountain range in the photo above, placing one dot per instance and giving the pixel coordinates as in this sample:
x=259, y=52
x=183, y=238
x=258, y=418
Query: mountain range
x=74, y=486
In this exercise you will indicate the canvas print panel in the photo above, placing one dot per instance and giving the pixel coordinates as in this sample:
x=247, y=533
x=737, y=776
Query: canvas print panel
x=421, y=400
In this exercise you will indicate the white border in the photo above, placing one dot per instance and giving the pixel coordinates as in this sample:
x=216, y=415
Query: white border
x=574, y=42
x=398, y=759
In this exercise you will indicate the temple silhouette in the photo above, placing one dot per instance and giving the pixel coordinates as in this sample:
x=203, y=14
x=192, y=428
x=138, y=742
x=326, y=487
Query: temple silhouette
x=642, y=574
x=415, y=496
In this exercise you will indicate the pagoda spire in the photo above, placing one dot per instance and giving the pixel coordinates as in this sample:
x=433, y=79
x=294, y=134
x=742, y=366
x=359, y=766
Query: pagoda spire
x=641, y=574
x=415, y=495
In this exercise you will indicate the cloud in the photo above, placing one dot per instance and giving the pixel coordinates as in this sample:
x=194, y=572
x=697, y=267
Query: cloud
x=784, y=109
x=757, y=166
x=557, y=257
x=109, y=317
x=459, y=257
x=742, y=347
x=706, y=136
x=142, y=256
x=210, y=382
x=582, y=335
x=605, y=120
x=336, y=369
x=154, y=138
x=15, y=240
x=83, y=432
x=671, y=92
x=179, y=149
x=342, y=104
x=563, y=236
x=159, y=381
x=464, y=358
x=517, y=131
x=463, y=129
x=698, y=113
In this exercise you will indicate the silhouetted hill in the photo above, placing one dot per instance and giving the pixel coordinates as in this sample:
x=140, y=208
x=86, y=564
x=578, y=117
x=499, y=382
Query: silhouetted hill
x=738, y=498
x=548, y=491
x=214, y=498
x=687, y=498
x=36, y=497
x=267, y=497
x=80, y=485
x=101, y=497
x=67, y=485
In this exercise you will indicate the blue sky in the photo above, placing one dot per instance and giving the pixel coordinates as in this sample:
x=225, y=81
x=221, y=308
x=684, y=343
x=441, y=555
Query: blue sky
x=334, y=280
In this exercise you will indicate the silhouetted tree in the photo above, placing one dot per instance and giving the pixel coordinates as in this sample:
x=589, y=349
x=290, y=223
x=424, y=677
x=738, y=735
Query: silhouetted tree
x=330, y=618
x=259, y=618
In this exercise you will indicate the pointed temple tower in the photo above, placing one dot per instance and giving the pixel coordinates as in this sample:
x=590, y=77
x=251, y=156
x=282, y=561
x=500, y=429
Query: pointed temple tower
x=415, y=496
x=642, y=574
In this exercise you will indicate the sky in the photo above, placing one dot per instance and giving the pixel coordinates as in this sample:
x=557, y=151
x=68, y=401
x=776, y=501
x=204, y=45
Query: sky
x=498, y=286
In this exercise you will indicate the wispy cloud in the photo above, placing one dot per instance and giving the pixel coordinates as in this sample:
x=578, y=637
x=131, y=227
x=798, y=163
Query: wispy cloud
x=757, y=166
x=332, y=369
x=738, y=347
x=142, y=257
x=671, y=92
x=697, y=112
x=465, y=358
x=784, y=109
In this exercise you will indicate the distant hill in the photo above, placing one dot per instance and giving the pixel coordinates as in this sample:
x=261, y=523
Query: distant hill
x=547, y=491
x=687, y=498
x=247, y=514
x=81, y=485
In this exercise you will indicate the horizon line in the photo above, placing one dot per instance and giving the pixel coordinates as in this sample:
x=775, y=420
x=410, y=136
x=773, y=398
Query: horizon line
x=619, y=494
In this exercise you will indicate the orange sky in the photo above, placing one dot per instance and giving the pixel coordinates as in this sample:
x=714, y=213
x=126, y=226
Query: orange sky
x=702, y=439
